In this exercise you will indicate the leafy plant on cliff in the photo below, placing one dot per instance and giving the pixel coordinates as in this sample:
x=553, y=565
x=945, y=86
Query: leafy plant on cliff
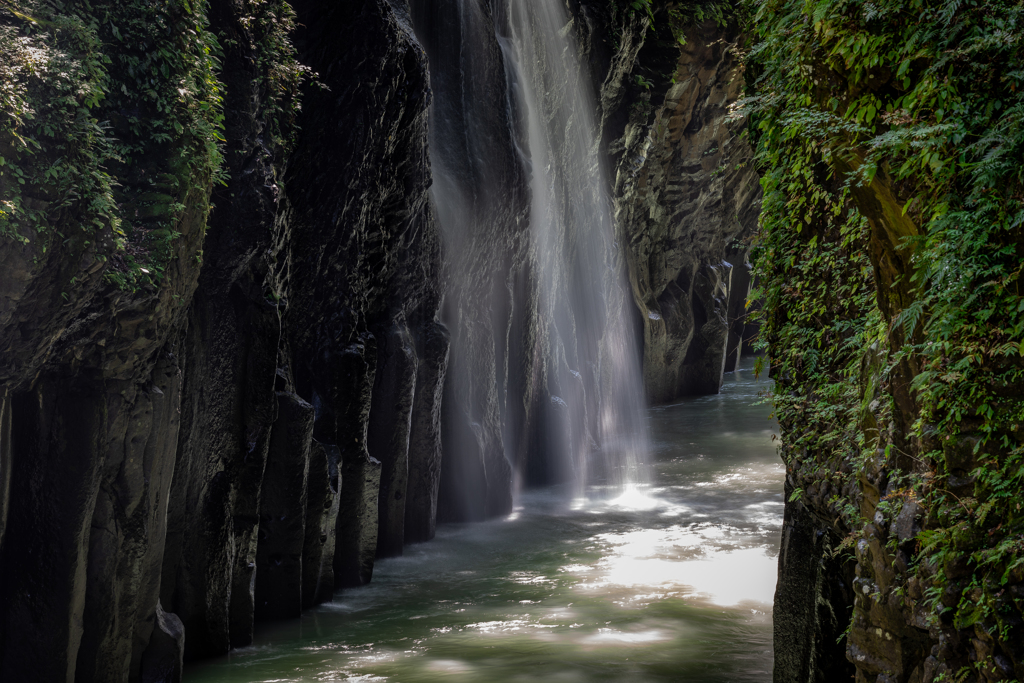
x=111, y=117
x=910, y=115
x=53, y=150
x=164, y=105
x=265, y=29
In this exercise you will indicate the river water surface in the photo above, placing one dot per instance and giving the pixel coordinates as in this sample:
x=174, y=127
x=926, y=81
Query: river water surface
x=670, y=583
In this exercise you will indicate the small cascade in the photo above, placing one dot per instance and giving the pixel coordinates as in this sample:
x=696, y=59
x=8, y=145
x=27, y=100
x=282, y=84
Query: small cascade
x=544, y=381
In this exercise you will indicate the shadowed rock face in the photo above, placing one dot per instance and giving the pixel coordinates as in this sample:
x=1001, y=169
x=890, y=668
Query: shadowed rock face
x=480, y=198
x=193, y=456
x=345, y=253
x=813, y=601
x=686, y=193
x=277, y=591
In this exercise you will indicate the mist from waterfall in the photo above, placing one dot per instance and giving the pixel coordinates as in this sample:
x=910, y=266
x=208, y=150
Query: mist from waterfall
x=544, y=370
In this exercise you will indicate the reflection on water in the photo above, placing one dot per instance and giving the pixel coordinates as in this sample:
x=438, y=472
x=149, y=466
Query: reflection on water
x=669, y=583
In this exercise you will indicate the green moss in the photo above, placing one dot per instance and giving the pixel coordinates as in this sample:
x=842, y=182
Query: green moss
x=906, y=119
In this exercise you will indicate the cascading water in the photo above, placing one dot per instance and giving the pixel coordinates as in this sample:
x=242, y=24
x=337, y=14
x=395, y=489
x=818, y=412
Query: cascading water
x=594, y=356
x=545, y=365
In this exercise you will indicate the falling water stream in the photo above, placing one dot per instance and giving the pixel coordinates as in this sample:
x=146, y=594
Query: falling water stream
x=669, y=583
x=594, y=353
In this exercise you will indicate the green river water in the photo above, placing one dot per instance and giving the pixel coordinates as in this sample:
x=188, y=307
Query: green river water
x=669, y=583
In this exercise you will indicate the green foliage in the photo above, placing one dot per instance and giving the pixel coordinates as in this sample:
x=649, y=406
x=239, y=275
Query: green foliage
x=643, y=7
x=266, y=28
x=665, y=26
x=682, y=15
x=111, y=117
x=821, y=327
x=53, y=150
x=677, y=16
x=897, y=129
x=164, y=103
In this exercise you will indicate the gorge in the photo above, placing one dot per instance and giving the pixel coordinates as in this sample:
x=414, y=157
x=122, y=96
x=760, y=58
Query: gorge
x=283, y=286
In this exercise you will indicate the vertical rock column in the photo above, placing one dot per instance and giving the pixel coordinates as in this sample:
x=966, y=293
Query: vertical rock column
x=364, y=248
x=813, y=602
x=425, y=434
x=227, y=414
x=704, y=364
x=738, y=293
x=44, y=563
x=128, y=531
x=282, y=530
x=390, y=425
x=356, y=541
x=231, y=346
x=163, y=661
x=323, y=483
x=348, y=386
x=5, y=463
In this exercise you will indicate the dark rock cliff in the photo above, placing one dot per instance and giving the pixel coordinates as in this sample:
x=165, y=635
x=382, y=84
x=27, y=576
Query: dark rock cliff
x=208, y=449
x=688, y=199
x=894, y=343
x=686, y=193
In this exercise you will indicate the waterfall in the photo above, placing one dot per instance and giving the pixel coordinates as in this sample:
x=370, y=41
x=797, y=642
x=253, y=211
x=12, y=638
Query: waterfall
x=545, y=361
x=584, y=302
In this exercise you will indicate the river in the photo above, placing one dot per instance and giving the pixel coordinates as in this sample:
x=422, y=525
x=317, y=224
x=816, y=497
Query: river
x=672, y=583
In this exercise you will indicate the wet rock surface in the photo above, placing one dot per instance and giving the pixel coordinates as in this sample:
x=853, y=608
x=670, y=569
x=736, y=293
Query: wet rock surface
x=687, y=194
x=813, y=601
x=480, y=198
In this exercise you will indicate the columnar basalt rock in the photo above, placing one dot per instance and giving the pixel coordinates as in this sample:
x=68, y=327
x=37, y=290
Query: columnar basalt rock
x=390, y=429
x=323, y=483
x=813, y=599
x=157, y=448
x=741, y=340
x=282, y=523
x=232, y=338
x=432, y=347
x=94, y=415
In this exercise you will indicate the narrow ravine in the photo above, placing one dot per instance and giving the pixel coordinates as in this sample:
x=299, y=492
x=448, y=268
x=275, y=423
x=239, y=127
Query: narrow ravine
x=671, y=584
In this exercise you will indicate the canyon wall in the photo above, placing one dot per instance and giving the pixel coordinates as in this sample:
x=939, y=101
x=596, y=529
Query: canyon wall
x=686, y=191
x=235, y=427
x=889, y=253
